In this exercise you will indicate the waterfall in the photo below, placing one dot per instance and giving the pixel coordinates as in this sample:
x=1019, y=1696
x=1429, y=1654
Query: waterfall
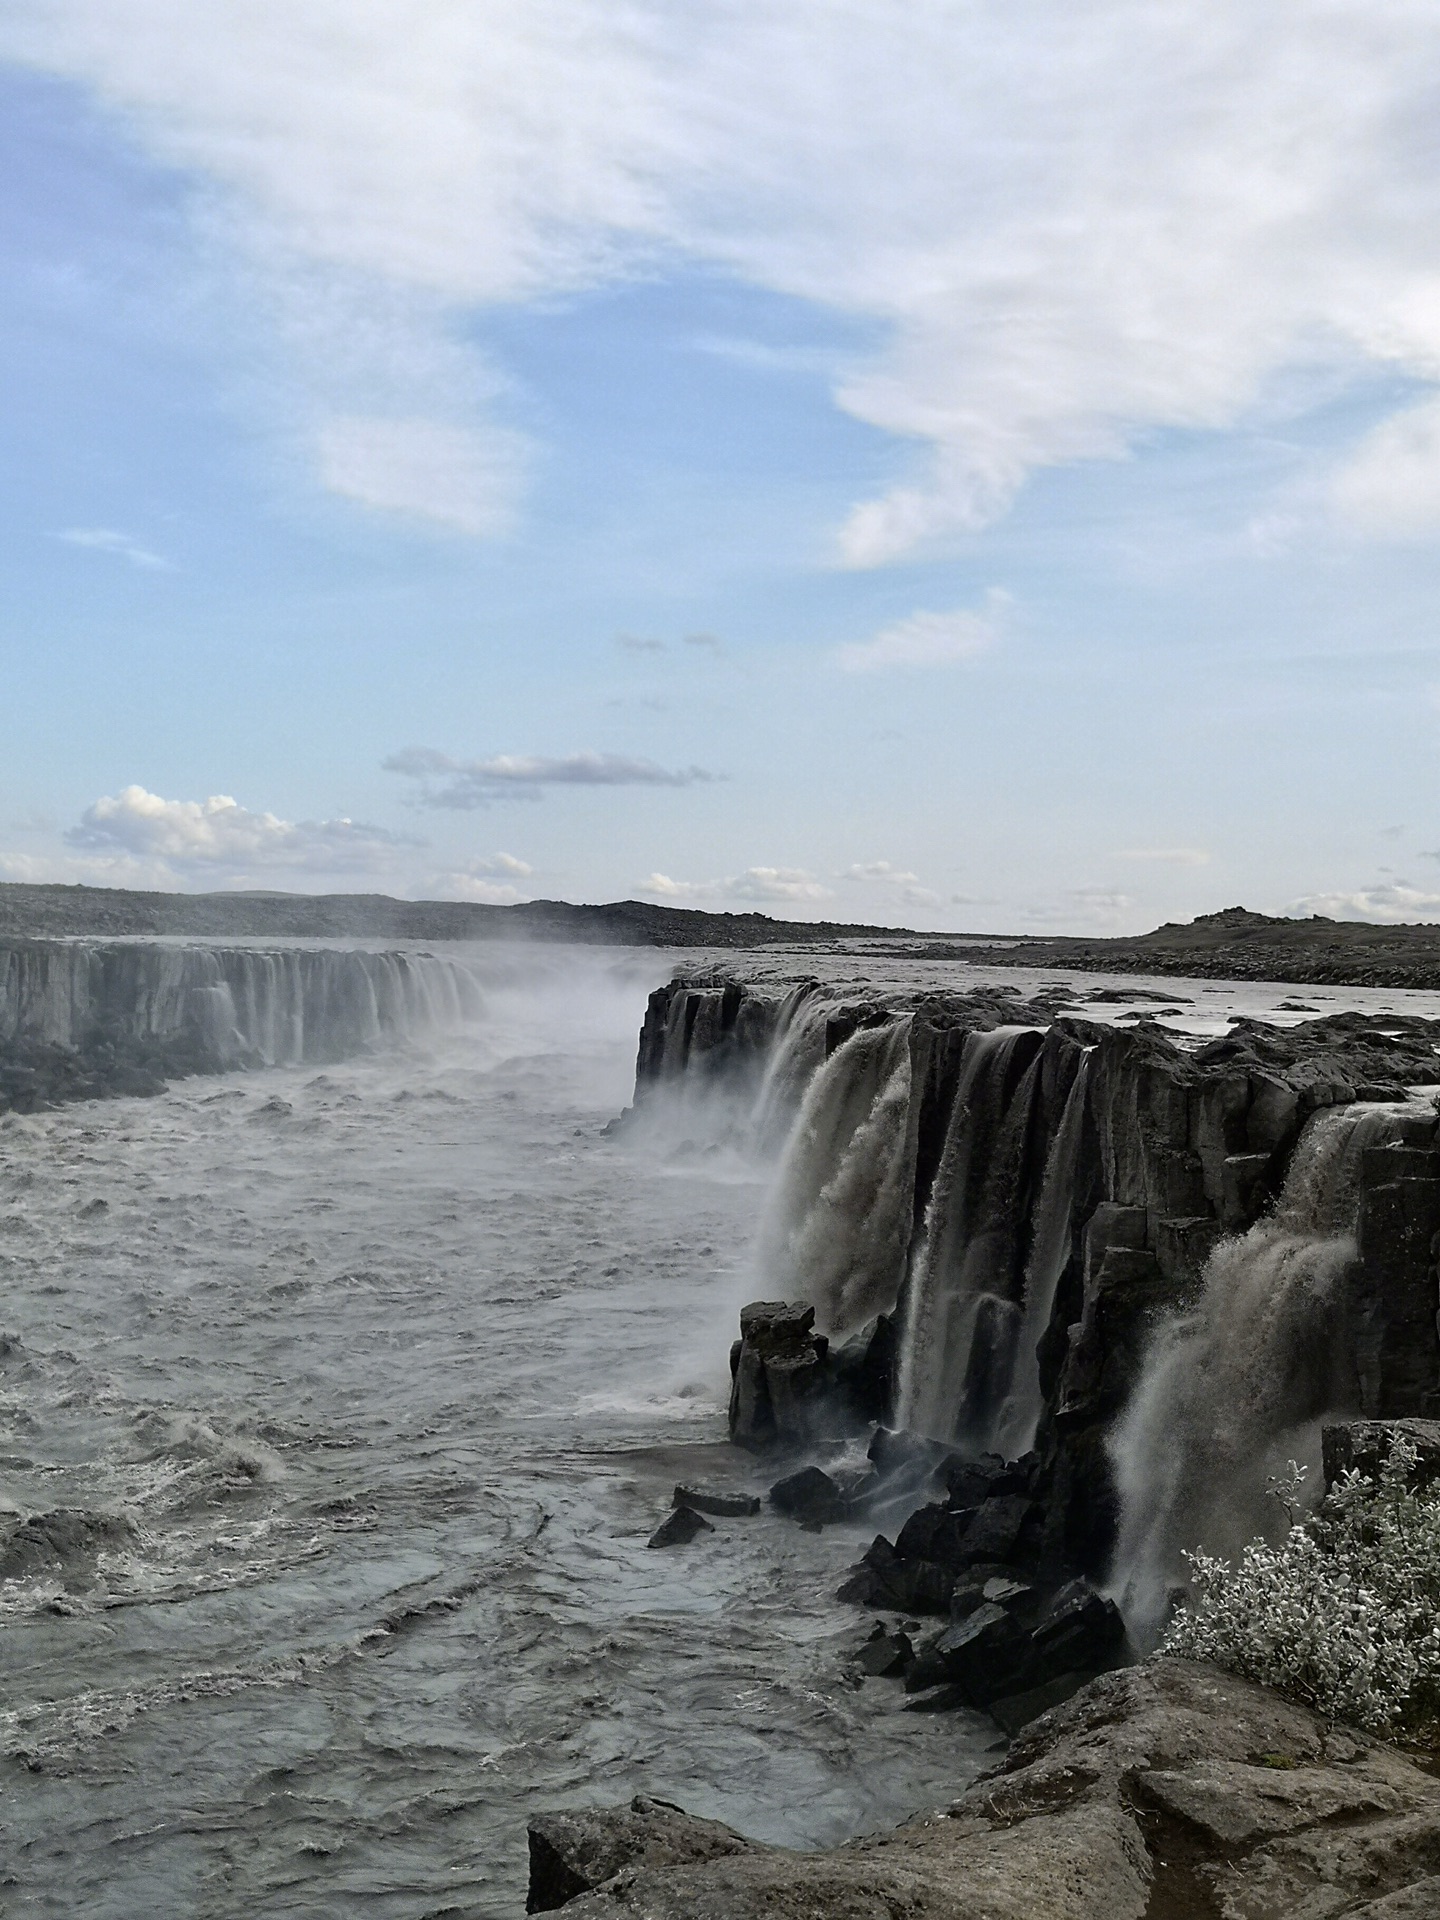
x=838, y=1225
x=1234, y=1389
x=205, y=1008
x=1051, y=1250
x=796, y=1054
x=961, y=1321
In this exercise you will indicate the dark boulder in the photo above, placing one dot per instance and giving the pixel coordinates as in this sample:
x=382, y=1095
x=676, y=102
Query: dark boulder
x=679, y=1528
x=1077, y=1630
x=885, y=1654
x=572, y=1853
x=809, y=1494
x=982, y=1654
x=726, y=1506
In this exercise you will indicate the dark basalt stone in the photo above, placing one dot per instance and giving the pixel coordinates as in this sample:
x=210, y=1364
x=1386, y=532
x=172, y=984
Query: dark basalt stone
x=1078, y=1629
x=809, y=1494
x=885, y=1653
x=726, y=1506
x=679, y=1528
x=982, y=1654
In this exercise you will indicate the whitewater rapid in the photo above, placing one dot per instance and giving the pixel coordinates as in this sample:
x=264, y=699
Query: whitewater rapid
x=383, y=1375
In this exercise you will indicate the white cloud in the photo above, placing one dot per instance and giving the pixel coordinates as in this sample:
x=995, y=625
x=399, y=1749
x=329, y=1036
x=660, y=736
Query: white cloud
x=460, y=478
x=1068, y=226
x=1390, y=487
x=1389, y=905
x=477, y=880
x=1083, y=910
x=665, y=888
x=1169, y=856
x=792, y=884
x=189, y=836
x=474, y=783
x=881, y=873
x=107, y=540
x=927, y=639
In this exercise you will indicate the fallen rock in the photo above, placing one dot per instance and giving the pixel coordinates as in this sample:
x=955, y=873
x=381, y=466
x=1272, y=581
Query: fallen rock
x=1168, y=1789
x=809, y=1494
x=679, y=1528
x=1078, y=1629
x=885, y=1653
x=983, y=1655
x=726, y=1506
x=570, y=1853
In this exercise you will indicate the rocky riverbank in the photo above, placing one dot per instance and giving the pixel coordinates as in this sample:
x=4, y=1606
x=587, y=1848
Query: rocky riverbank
x=1163, y=1792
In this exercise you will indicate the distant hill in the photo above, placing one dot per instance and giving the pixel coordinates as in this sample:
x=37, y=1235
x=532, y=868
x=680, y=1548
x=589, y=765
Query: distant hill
x=1233, y=944
x=36, y=912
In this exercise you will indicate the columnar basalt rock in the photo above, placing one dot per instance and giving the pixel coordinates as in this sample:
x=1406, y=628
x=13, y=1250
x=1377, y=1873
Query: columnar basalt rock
x=1177, y=1147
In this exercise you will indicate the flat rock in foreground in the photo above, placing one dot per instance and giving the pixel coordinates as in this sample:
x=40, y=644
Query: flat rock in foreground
x=1168, y=1789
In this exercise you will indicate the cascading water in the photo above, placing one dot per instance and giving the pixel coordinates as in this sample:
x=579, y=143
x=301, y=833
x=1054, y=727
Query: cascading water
x=839, y=1223
x=960, y=1323
x=230, y=1006
x=1235, y=1389
x=1050, y=1254
x=796, y=1055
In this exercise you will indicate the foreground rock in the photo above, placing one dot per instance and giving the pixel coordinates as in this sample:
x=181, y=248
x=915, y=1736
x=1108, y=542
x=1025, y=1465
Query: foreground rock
x=1163, y=1790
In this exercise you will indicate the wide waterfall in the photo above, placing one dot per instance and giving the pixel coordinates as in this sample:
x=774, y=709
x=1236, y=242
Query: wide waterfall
x=1235, y=1389
x=202, y=1008
x=838, y=1226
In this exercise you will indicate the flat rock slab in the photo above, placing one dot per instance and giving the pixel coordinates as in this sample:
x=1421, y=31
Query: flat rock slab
x=1168, y=1789
x=725, y=1506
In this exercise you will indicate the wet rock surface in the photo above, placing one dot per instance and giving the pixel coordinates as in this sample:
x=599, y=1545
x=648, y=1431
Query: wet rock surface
x=1164, y=1790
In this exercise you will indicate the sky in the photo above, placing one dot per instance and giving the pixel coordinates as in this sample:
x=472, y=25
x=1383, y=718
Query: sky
x=972, y=465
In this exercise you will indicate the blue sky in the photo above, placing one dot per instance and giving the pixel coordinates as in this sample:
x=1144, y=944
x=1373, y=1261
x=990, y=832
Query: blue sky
x=970, y=467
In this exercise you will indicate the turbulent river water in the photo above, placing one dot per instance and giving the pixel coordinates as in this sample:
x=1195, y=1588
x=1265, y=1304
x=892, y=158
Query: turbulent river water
x=340, y=1404
x=358, y=1393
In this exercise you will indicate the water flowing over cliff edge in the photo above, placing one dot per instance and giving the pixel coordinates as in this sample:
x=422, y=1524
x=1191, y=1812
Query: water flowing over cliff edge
x=1159, y=1258
x=80, y=1018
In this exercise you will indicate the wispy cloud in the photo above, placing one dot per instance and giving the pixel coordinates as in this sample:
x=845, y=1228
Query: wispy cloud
x=928, y=639
x=463, y=479
x=1065, y=226
x=1168, y=856
x=755, y=884
x=883, y=873
x=108, y=540
x=447, y=782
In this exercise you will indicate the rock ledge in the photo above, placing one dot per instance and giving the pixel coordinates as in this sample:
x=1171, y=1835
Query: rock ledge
x=1169, y=1789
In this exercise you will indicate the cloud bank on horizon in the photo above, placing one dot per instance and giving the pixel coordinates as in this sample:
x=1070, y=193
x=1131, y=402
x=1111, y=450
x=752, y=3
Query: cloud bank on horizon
x=1069, y=227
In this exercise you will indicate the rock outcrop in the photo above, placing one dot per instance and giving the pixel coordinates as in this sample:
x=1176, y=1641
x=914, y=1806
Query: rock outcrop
x=1169, y=1790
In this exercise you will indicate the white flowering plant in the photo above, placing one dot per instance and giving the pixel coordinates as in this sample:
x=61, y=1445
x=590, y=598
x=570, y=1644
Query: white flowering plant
x=1344, y=1614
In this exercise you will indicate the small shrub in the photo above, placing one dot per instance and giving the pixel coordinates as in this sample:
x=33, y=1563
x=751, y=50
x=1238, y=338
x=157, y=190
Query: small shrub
x=1344, y=1614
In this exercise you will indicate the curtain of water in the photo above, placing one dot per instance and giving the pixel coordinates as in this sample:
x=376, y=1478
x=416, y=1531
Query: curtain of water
x=837, y=1228
x=1233, y=1390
